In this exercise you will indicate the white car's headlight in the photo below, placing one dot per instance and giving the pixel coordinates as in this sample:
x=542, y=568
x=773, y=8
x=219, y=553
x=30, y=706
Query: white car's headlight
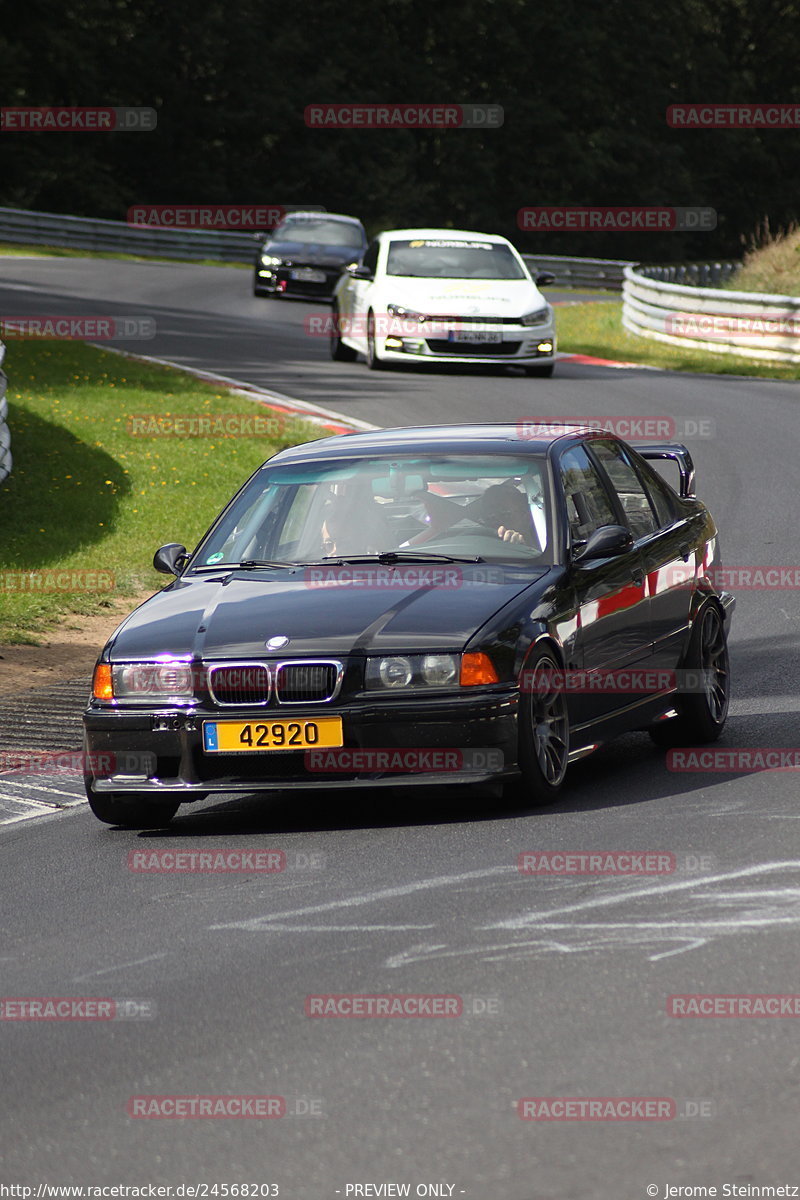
x=539, y=317
x=171, y=682
x=398, y=671
x=269, y=260
x=406, y=314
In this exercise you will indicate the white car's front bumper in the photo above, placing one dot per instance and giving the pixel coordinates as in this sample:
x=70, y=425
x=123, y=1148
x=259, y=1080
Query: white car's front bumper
x=516, y=345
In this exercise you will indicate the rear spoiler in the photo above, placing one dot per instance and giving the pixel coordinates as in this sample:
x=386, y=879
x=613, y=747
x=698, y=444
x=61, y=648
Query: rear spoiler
x=679, y=454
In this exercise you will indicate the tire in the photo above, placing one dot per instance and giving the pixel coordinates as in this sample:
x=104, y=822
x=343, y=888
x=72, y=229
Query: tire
x=374, y=362
x=132, y=810
x=540, y=372
x=543, y=751
x=339, y=352
x=701, y=715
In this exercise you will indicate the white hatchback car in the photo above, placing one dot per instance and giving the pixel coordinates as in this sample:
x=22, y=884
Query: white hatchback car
x=443, y=296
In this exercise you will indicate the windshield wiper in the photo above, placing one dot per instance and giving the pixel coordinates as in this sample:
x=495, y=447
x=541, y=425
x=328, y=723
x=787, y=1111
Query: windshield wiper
x=389, y=557
x=246, y=564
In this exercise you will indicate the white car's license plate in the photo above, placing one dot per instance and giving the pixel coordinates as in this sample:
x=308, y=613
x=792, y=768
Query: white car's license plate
x=307, y=275
x=475, y=337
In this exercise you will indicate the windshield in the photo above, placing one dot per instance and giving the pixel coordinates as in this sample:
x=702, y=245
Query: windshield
x=326, y=233
x=446, y=258
x=491, y=507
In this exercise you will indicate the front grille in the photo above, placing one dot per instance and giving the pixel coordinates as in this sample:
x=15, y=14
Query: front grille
x=472, y=320
x=307, y=682
x=463, y=349
x=239, y=683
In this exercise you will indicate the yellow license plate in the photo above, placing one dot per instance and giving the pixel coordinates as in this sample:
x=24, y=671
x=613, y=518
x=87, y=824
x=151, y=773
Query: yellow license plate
x=299, y=733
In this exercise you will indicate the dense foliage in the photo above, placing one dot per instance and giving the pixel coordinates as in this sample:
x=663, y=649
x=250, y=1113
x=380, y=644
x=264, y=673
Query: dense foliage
x=585, y=88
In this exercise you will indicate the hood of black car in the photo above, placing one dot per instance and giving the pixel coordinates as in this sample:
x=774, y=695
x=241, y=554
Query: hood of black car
x=314, y=252
x=233, y=616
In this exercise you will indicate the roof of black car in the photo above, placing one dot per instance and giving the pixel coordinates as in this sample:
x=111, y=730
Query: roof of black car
x=322, y=216
x=535, y=435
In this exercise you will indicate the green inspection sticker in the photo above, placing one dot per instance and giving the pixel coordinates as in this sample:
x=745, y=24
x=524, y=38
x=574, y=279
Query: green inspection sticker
x=212, y=558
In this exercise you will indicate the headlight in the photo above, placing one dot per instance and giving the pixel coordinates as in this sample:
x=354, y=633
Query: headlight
x=406, y=314
x=396, y=672
x=439, y=669
x=171, y=681
x=269, y=260
x=539, y=317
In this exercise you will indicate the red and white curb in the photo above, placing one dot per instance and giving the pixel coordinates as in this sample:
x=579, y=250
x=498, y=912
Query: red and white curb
x=592, y=361
x=303, y=410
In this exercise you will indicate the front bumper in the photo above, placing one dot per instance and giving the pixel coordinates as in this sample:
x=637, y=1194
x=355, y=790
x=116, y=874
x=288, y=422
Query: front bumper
x=479, y=731
x=520, y=346
x=278, y=281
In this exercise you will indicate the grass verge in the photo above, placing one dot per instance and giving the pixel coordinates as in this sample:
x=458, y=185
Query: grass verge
x=596, y=328
x=88, y=495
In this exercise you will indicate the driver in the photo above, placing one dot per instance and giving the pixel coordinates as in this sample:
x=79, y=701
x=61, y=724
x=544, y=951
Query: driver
x=505, y=509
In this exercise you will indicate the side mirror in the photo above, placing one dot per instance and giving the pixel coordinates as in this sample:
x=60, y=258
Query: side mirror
x=357, y=271
x=545, y=278
x=605, y=542
x=167, y=559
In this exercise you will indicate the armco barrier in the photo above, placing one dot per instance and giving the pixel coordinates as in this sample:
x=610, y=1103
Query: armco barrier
x=87, y=233
x=5, y=436
x=606, y=273
x=22, y=227
x=746, y=324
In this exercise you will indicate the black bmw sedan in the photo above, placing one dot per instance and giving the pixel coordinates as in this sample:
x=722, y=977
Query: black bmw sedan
x=446, y=604
x=306, y=253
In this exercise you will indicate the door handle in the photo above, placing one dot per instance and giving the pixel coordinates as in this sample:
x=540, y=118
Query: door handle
x=685, y=551
x=637, y=576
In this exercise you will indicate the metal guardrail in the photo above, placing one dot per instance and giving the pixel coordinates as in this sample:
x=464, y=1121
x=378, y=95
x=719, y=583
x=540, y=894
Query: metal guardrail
x=746, y=324
x=5, y=435
x=22, y=227
x=606, y=273
x=694, y=274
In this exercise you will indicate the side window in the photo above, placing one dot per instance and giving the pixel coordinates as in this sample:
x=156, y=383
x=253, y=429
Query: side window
x=370, y=259
x=661, y=495
x=628, y=486
x=588, y=503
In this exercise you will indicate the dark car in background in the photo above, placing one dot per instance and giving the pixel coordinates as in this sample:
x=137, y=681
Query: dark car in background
x=306, y=253
x=402, y=607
